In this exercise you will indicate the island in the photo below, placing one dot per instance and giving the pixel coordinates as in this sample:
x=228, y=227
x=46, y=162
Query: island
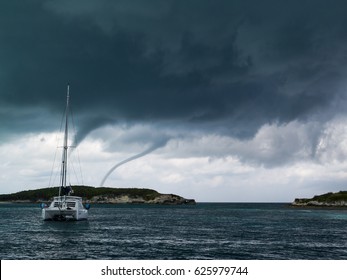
x=330, y=199
x=100, y=195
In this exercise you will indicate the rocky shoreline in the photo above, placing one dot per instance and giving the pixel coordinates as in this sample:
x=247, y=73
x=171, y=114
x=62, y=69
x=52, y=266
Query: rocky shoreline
x=165, y=199
x=314, y=203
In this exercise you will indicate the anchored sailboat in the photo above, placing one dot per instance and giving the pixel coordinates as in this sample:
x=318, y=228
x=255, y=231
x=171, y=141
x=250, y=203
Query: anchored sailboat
x=65, y=206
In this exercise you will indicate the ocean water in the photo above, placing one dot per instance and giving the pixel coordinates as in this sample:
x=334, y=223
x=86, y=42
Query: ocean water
x=246, y=231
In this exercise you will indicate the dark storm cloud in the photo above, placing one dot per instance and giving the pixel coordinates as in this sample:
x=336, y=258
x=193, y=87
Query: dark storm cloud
x=229, y=66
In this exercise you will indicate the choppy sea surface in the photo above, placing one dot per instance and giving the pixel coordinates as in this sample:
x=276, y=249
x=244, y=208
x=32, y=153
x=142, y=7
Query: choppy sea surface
x=246, y=231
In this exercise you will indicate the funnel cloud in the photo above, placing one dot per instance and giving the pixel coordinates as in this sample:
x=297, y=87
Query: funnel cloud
x=145, y=152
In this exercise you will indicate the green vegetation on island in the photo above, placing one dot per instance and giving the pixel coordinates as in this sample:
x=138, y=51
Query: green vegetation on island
x=99, y=195
x=330, y=199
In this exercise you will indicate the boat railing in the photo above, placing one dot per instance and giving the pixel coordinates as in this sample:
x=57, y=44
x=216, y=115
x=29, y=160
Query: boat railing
x=67, y=197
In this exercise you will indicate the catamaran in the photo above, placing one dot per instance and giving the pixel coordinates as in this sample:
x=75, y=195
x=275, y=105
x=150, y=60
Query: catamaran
x=65, y=206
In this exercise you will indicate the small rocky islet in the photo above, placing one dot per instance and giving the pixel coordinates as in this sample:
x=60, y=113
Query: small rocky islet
x=100, y=195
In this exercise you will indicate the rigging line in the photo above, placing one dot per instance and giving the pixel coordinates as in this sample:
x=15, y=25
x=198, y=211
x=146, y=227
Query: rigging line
x=76, y=145
x=72, y=121
x=53, y=165
x=75, y=159
x=57, y=140
x=79, y=163
x=54, y=171
x=55, y=179
x=72, y=166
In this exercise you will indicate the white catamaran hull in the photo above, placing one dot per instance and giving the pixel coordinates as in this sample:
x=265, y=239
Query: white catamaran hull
x=65, y=208
x=53, y=214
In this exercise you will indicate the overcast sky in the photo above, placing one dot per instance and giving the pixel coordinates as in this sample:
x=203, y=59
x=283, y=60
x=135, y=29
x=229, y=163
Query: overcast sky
x=236, y=100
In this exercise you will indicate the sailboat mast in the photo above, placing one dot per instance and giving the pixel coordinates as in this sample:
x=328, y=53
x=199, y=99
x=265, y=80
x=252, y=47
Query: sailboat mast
x=65, y=147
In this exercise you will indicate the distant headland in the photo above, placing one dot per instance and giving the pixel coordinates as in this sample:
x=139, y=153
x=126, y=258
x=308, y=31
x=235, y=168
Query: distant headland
x=330, y=199
x=101, y=195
